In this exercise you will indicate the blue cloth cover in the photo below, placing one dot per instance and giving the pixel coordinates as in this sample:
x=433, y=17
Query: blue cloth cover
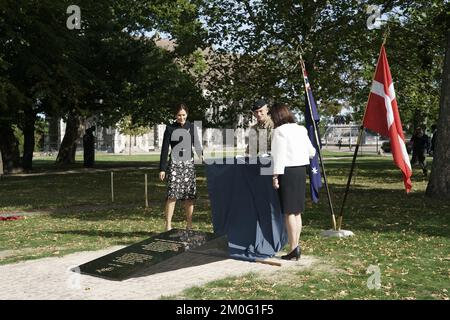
x=246, y=208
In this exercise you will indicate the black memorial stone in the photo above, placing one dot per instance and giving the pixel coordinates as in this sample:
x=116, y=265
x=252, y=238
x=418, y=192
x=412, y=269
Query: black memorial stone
x=126, y=262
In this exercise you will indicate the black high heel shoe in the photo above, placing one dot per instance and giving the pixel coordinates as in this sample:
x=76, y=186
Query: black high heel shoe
x=294, y=254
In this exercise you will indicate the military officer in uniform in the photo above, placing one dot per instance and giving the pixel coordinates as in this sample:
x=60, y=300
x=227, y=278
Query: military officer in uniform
x=261, y=130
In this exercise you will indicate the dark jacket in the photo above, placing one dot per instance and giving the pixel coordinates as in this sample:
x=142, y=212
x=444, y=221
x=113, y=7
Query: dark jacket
x=168, y=141
x=420, y=144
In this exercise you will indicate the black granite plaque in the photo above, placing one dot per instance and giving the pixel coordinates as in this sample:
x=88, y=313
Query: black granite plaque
x=126, y=262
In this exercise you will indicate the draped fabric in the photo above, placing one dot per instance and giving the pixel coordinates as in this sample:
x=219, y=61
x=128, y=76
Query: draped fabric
x=246, y=208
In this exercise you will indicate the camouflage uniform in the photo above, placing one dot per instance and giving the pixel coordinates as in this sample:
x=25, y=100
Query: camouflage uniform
x=260, y=126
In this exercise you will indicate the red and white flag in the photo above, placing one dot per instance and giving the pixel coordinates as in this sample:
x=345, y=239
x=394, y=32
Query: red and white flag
x=382, y=116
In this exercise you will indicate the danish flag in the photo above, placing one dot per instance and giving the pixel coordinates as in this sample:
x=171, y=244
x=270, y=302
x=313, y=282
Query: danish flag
x=382, y=116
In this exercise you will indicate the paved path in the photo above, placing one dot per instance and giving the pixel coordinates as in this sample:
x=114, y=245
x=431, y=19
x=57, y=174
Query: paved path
x=51, y=278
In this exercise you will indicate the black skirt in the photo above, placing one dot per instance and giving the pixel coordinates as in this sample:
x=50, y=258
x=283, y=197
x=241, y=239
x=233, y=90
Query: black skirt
x=292, y=189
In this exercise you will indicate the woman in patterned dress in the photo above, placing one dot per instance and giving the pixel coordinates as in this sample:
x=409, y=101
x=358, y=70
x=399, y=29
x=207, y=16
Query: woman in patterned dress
x=180, y=136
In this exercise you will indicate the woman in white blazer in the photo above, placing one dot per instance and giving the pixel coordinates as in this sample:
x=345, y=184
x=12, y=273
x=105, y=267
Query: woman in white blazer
x=291, y=151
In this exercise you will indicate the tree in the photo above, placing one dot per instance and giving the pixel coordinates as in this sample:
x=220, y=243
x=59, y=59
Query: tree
x=415, y=48
x=127, y=127
x=131, y=75
x=47, y=68
x=439, y=184
x=1, y=164
x=160, y=82
x=9, y=147
x=259, y=40
x=10, y=96
x=32, y=71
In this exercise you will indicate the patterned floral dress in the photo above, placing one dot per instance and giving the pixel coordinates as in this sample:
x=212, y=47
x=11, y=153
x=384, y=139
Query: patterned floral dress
x=180, y=172
x=181, y=180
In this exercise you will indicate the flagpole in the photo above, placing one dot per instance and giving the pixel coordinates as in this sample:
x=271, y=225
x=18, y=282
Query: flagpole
x=333, y=217
x=361, y=130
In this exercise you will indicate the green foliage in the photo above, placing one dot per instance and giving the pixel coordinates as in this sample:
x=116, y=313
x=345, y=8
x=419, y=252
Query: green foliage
x=127, y=127
x=259, y=42
x=40, y=133
x=19, y=136
x=47, y=68
x=415, y=49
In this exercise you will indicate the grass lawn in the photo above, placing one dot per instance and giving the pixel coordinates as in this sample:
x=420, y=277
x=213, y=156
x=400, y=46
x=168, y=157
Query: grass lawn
x=405, y=236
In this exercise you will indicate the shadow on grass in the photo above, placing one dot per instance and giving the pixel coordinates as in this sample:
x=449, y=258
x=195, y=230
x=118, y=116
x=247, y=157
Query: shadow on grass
x=378, y=170
x=133, y=211
x=384, y=211
x=40, y=166
x=367, y=209
x=370, y=170
x=47, y=165
x=84, y=189
x=198, y=217
x=134, y=214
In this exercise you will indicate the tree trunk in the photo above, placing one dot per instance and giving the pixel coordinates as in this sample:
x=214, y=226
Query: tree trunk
x=66, y=154
x=28, y=134
x=1, y=163
x=9, y=147
x=439, y=184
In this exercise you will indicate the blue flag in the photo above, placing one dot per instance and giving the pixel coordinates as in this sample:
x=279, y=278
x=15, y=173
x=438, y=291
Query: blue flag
x=315, y=178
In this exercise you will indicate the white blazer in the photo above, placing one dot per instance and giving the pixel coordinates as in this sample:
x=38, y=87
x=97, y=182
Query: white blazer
x=290, y=147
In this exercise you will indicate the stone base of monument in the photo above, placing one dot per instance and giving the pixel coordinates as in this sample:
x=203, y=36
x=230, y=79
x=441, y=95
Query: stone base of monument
x=337, y=233
x=142, y=256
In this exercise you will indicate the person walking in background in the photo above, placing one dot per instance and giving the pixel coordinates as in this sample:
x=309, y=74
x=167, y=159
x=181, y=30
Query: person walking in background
x=89, y=148
x=179, y=170
x=420, y=144
x=291, y=151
